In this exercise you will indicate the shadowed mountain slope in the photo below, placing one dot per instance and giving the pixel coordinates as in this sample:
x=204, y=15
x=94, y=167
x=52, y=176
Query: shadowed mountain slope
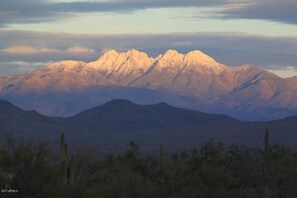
x=109, y=127
x=27, y=124
x=123, y=115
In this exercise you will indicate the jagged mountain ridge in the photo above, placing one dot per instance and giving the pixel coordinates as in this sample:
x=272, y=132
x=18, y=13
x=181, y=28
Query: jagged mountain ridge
x=193, y=80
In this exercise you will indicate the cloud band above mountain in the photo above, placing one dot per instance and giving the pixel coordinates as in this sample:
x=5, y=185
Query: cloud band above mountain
x=228, y=48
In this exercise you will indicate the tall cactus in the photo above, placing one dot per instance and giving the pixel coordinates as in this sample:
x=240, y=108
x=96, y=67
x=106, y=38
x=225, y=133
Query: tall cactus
x=266, y=140
x=161, y=154
x=72, y=168
x=63, y=153
x=67, y=165
x=62, y=146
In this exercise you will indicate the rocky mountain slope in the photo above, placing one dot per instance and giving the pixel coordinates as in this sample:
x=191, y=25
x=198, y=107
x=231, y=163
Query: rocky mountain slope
x=193, y=80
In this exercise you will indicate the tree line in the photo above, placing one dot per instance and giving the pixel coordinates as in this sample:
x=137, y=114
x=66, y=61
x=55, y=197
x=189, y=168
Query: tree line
x=213, y=170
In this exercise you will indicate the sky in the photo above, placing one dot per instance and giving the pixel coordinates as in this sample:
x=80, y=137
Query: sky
x=34, y=33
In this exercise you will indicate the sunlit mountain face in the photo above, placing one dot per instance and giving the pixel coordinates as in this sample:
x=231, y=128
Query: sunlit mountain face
x=193, y=80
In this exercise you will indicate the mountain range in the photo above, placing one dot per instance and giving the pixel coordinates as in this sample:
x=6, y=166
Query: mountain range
x=116, y=115
x=109, y=127
x=193, y=81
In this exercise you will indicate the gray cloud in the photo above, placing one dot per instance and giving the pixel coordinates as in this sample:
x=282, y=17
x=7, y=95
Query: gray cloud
x=228, y=48
x=34, y=11
x=131, y=5
x=284, y=11
x=25, y=11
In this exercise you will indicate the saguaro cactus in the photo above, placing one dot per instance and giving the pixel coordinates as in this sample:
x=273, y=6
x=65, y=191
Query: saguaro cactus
x=161, y=154
x=72, y=169
x=63, y=152
x=67, y=165
x=266, y=140
x=62, y=146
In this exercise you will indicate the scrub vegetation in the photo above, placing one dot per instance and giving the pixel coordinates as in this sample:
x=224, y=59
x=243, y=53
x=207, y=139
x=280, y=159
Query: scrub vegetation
x=212, y=170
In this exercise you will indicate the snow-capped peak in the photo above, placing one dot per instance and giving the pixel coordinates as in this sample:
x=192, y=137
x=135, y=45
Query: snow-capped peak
x=133, y=52
x=107, y=59
x=171, y=53
x=131, y=60
x=66, y=65
x=199, y=58
x=111, y=54
x=189, y=79
x=114, y=62
x=133, y=56
x=171, y=59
